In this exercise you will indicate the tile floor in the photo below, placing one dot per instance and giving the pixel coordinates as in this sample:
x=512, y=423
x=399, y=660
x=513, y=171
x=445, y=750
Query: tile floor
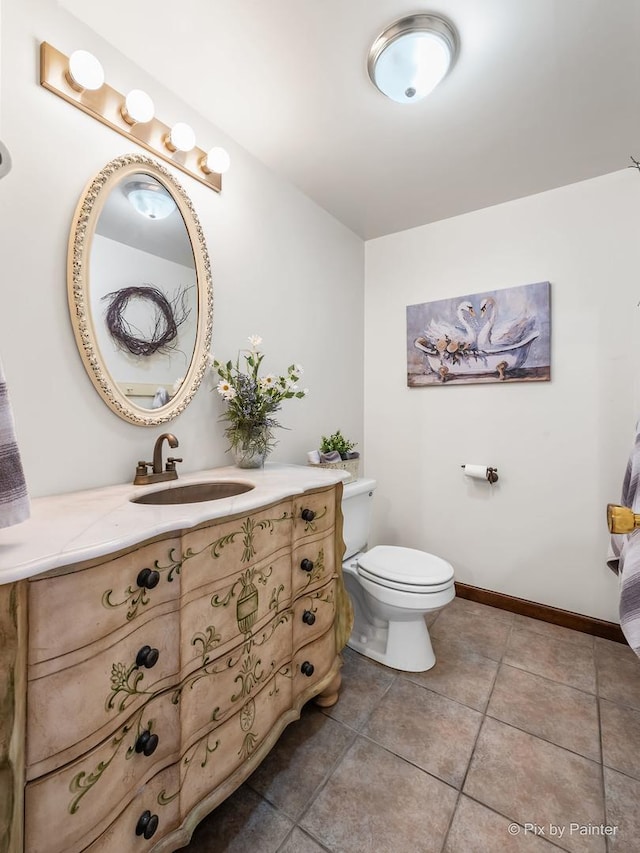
x=521, y=728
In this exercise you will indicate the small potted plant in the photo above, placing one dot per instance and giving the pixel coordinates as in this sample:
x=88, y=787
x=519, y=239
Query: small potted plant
x=337, y=443
x=336, y=451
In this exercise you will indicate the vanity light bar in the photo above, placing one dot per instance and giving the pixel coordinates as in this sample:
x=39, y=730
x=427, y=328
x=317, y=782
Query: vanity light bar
x=109, y=107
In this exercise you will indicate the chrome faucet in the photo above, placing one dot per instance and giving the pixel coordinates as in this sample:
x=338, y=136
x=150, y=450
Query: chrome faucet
x=157, y=475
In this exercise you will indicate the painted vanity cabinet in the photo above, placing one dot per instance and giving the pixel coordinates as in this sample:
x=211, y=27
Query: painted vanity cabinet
x=157, y=679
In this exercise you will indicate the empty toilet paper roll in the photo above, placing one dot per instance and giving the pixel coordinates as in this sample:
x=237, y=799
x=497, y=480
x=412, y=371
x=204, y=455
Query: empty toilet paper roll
x=476, y=472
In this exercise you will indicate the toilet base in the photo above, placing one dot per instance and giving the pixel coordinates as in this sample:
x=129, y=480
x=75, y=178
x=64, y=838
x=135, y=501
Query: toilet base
x=401, y=645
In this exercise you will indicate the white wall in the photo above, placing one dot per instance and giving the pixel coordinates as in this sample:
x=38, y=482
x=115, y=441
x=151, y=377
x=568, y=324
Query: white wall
x=282, y=268
x=560, y=446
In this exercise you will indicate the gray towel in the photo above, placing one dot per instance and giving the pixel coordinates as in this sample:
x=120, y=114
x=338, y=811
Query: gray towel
x=14, y=502
x=626, y=549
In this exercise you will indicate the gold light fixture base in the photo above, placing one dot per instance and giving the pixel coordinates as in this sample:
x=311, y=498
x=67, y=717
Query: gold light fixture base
x=105, y=105
x=621, y=519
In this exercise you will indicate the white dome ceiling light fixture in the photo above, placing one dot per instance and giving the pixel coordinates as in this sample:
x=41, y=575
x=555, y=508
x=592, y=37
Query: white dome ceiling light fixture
x=408, y=60
x=149, y=199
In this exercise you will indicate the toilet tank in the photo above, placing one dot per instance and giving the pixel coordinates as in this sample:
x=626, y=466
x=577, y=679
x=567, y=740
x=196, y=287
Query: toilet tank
x=357, y=503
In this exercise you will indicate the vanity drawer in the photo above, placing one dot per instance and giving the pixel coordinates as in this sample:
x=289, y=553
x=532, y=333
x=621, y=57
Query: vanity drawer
x=313, y=563
x=321, y=655
x=237, y=746
x=73, y=610
x=72, y=708
x=82, y=797
x=313, y=614
x=154, y=797
x=225, y=610
x=220, y=549
x=314, y=512
x=220, y=688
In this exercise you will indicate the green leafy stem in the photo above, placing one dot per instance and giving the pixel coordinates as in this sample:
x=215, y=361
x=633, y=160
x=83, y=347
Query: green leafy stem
x=125, y=680
x=83, y=782
x=163, y=798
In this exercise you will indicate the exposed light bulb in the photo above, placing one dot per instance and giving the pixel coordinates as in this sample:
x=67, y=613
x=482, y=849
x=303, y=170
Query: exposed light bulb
x=216, y=160
x=85, y=71
x=180, y=138
x=138, y=107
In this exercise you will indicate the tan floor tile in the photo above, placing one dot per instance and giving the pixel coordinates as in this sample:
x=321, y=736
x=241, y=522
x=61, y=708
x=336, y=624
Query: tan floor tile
x=429, y=730
x=300, y=761
x=535, y=782
x=299, y=842
x=618, y=673
x=465, y=605
x=458, y=674
x=555, y=659
x=606, y=648
x=375, y=801
x=553, y=711
x=557, y=632
x=476, y=829
x=477, y=630
x=623, y=815
x=620, y=738
x=244, y=823
x=364, y=682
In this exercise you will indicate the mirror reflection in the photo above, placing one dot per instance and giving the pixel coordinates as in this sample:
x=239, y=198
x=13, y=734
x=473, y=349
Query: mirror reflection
x=143, y=291
x=139, y=290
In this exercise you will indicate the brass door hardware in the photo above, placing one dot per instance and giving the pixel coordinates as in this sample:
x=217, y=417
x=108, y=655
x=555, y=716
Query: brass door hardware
x=621, y=519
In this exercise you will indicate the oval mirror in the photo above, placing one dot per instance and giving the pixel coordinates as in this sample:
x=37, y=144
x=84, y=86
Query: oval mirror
x=139, y=286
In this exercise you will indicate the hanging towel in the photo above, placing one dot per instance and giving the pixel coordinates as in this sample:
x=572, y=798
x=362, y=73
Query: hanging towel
x=14, y=502
x=626, y=553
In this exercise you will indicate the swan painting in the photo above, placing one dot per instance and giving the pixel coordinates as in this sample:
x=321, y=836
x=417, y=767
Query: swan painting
x=498, y=336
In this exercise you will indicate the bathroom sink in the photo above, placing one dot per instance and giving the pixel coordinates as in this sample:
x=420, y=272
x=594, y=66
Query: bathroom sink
x=194, y=493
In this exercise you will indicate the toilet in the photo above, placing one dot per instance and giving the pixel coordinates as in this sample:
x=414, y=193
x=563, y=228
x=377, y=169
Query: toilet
x=392, y=589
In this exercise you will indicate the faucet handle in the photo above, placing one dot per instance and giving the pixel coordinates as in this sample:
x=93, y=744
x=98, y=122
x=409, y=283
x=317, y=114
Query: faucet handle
x=171, y=463
x=141, y=467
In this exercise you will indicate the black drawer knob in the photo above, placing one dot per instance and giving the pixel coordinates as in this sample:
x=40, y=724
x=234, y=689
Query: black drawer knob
x=307, y=669
x=147, y=743
x=308, y=515
x=147, y=657
x=147, y=824
x=148, y=578
x=308, y=617
x=306, y=565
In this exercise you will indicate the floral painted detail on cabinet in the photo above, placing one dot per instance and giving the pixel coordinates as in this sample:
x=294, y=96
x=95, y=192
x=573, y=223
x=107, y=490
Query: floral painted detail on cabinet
x=136, y=597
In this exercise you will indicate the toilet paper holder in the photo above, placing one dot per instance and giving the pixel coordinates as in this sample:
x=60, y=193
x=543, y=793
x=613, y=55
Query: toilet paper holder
x=492, y=474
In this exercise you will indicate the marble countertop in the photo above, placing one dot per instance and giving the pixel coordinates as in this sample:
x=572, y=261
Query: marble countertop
x=71, y=528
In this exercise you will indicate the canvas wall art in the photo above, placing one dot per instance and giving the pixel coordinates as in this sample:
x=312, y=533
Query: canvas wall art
x=496, y=336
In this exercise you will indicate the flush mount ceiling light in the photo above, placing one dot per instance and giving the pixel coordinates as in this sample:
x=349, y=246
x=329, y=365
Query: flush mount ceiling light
x=149, y=199
x=408, y=60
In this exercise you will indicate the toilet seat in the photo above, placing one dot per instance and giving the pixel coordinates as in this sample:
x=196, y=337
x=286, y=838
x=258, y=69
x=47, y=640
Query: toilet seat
x=405, y=569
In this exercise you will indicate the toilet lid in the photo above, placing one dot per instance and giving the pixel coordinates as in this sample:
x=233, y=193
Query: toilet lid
x=409, y=567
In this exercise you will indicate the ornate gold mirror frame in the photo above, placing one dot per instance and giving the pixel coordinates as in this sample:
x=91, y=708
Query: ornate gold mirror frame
x=83, y=230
